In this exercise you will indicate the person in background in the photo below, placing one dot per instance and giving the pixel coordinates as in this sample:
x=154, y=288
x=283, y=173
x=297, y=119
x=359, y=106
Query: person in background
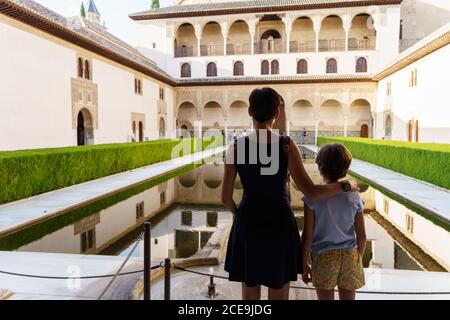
x=334, y=232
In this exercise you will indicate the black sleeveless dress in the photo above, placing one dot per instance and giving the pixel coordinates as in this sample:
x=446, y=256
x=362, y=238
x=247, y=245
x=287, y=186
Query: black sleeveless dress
x=264, y=247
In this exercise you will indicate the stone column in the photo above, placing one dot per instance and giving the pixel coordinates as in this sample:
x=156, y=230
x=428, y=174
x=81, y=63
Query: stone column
x=345, y=126
x=317, y=21
x=198, y=34
x=316, y=130
x=252, y=30
x=224, y=28
x=199, y=127
x=226, y=130
x=347, y=24
x=288, y=28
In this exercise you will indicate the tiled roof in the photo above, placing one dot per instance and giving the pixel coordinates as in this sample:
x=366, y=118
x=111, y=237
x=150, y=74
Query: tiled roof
x=84, y=32
x=92, y=7
x=95, y=38
x=230, y=7
x=277, y=79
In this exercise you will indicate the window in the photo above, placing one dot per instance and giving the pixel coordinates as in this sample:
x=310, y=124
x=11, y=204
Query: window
x=211, y=70
x=80, y=67
x=413, y=78
x=302, y=66
x=137, y=86
x=331, y=65
x=162, y=94
x=185, y=70
x=361, y=65
x=417, y=130
x=265, y=67
x=238, y=68
x=154, y=45
x=186, y=218
x=409, y=222
x=388, y=126
x=140, y=210
x=87, y=70
x=274, y=67
x=388, y=88
x=162, y=198
x=87, y=240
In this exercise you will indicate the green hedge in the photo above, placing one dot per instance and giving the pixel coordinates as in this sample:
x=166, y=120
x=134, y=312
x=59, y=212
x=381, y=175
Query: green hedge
x=424, y=161
x=30, y=172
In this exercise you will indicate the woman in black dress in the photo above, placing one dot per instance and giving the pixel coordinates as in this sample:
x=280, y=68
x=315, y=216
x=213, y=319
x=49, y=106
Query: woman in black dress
x=264, y=246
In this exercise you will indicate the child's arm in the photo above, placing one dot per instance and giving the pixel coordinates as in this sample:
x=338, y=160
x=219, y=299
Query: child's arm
x=360, y=230
x=307, y=234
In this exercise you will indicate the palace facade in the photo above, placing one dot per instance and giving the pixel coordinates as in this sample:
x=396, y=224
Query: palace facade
x=336, y=64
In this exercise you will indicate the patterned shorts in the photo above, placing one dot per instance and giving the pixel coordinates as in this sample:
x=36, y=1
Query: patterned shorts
x=342, y=268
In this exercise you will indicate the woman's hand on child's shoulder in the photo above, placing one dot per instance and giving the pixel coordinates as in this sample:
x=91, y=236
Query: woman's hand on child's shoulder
x=306, y=275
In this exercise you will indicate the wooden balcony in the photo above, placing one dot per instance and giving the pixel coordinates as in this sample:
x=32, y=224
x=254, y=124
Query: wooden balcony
x=305, y=46
x=366, y=43
x=185, y=51
x=238, y=49
x=332, y=45
x=211, y=50
x=272, y=46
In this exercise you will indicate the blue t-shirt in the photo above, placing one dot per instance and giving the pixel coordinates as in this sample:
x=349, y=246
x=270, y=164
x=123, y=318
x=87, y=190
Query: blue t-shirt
x=334, y=219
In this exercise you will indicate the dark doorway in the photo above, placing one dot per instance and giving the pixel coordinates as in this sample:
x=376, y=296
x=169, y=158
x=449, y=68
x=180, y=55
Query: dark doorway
x=141, y=131
x=364, y=131
x=80, y=130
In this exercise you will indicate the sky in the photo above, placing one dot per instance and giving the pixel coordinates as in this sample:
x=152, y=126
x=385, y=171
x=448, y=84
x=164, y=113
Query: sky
x=114, y=12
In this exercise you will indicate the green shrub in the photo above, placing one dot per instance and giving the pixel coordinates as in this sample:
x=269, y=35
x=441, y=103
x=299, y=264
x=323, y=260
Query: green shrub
x=26, y=173
x=429, y=162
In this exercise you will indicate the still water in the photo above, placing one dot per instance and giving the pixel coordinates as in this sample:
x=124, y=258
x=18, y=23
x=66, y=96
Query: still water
x=185, y=211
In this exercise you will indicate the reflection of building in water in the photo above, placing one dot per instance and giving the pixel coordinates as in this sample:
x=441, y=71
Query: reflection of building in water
x=98, y=231
x=432, y=238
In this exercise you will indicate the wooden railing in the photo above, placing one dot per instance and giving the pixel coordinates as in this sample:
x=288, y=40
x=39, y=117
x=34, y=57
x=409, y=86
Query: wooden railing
x=185, y=51
x=332, y=45
x=242, y=48
x=272, y=46
x=305, y=46
x=366, y=43
x=211, y=50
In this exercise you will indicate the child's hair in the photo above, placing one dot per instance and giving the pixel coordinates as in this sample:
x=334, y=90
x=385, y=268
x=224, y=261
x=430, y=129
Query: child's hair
x=264, y=104
x=333, y=161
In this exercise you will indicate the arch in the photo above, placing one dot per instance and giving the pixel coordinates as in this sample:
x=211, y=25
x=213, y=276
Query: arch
x=212, y=176
x=388, y=126
x=85, y=128
x=141, y=131
x=213, y=115
x=362, y=33
x=332, y=113
x=265, y=67
x=211, y=41
x=302, y=114
x=185, y=70
x=211, y=69
x=189, y=179
x=332, y=34
x=87, y=70
x=162, y=127
x=302, y=66
x=239, y=38
x=361, y=64
x=359, y=114
x=238, y=68
x=331, y=65
x=238, y=117
x=80, y=68
x=274, y=67
x=270, y=34
x=303, y=36
x=186, y=116
x=185, y=40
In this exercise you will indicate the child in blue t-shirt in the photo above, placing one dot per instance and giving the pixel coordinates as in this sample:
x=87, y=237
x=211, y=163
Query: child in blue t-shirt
x=334, y=232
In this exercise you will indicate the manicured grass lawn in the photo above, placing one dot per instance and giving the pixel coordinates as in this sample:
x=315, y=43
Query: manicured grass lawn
x=424, y=161
x=30, y=172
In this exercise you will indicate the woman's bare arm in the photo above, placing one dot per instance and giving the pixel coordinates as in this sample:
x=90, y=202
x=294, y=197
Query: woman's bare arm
x=229, y=178
x=307, y=235
x=360, y=230
x=304, y=182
